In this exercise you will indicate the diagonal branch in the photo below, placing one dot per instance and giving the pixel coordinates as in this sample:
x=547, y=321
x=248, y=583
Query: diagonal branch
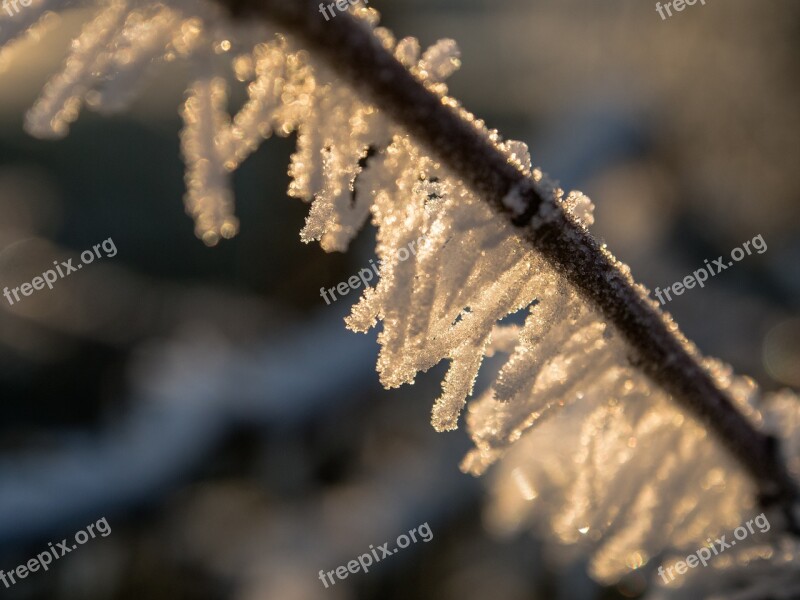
x=658, y=348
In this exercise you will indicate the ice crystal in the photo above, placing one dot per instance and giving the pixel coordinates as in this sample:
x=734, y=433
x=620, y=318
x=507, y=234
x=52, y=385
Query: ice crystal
x=589, y=445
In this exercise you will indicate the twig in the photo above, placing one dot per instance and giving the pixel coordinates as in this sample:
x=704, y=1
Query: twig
x=658, y=349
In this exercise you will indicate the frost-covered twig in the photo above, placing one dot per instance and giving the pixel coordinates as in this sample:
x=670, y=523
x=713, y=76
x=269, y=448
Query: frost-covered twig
x=657, y=346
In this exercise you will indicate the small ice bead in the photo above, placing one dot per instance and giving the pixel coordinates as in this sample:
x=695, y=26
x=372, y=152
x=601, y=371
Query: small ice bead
x=580, y=206
x=441, y=60
x=407, y=51
x=514, y=201
x=518, y=153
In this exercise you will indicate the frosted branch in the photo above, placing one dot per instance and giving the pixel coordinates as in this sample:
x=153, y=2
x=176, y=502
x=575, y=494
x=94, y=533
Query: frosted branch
x=656, y=345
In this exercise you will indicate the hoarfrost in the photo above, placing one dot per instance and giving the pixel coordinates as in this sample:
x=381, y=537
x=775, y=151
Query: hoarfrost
x=589, y=446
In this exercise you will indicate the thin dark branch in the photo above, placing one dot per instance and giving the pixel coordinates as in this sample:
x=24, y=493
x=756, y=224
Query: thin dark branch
x=657, y=347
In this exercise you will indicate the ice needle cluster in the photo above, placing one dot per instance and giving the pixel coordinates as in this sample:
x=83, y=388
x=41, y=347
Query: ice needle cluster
x=590, y=451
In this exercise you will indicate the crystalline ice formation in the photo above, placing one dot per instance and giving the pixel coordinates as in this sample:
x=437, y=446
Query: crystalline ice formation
x=588, y=444
x=118, y=46
x=287, y=91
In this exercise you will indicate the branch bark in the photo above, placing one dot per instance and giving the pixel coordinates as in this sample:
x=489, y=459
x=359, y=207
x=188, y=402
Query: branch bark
x=658, y=349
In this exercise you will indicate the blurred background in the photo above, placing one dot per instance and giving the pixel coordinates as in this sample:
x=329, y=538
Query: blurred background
x=212, y=407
